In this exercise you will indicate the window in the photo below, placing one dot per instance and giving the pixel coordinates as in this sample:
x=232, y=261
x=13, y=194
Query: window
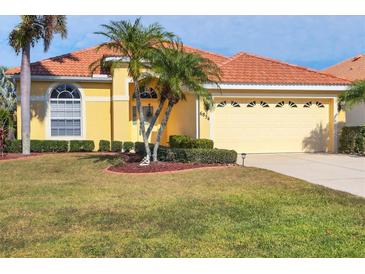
x=65, y=103
x=147, y=113
x=147, y=93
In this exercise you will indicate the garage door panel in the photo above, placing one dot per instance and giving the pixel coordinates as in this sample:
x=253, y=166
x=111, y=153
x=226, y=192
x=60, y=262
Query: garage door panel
x=271, y=129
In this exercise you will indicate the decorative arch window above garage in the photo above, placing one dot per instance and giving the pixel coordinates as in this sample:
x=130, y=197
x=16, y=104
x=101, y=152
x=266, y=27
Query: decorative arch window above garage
x=251, y=104
x=280, y=104
x=292, y=104
x=264, y=104
x=222, y=104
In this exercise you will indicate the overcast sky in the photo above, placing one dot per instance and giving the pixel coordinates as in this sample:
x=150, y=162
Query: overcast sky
x=313, y=41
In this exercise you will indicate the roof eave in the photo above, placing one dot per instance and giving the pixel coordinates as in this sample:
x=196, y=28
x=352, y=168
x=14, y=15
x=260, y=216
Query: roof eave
x=268, y=86
x=96, y=78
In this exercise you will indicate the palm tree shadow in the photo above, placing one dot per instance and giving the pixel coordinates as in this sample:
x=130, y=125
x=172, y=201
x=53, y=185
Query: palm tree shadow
x=318, y=139
x=101, y=158
x=39, y=109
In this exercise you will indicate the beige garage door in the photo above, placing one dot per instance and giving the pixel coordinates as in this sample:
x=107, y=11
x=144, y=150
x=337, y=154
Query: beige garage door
x=271, y=125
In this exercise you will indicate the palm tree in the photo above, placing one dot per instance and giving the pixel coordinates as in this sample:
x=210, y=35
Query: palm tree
x=354, y=94
x=137, y=43
x=22, y=38
x=179, y=72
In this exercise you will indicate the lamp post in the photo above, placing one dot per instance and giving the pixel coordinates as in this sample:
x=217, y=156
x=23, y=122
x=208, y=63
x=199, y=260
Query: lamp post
x=243, y=155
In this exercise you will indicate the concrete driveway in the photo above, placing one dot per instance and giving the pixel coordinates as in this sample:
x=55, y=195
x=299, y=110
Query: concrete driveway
x=337, y=171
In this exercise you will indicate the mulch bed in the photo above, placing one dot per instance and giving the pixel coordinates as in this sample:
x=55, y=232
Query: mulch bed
x=158, y=167
x=132, y=160
x=15, y=156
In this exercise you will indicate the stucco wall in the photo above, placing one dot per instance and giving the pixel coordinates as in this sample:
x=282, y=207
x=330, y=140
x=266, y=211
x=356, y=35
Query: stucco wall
x=356, y=115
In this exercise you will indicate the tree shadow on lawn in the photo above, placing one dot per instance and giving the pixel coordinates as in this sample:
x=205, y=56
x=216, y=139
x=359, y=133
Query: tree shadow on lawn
x=111, y=159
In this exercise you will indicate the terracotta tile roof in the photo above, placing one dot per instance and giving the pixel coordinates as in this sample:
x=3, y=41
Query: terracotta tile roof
x=77, y=63
x=216, y=58
x=250, y=68
x=351, y=69
x=241, y=68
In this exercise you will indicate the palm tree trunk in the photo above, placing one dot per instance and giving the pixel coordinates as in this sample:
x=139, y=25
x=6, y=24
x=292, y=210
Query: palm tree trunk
x=25, y=85
x=141, y=119
x=161, y=129
x=155, y=117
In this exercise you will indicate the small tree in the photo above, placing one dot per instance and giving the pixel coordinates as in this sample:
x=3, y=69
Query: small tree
x=6, y=124
x=178, y=72
x=7, y=98
x=353, y=95
x=137, y=43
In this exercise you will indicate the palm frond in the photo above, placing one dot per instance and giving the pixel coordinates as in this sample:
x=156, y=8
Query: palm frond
x=354, y=94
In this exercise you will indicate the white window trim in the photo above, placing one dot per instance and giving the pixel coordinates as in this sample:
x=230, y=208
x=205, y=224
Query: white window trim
x=48, y=114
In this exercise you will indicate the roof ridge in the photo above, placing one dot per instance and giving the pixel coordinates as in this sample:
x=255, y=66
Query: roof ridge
x=206, y=51
x=233, y=57
x=345, y=60
x=239, y=54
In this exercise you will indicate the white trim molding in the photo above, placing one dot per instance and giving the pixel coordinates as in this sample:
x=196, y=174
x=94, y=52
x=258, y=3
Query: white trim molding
x=97, y=98
x=273, y=95
x=120, y=98
x=95, y=78
x=237, y=86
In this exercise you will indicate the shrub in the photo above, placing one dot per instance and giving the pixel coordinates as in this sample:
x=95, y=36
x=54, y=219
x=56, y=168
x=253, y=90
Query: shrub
x=202, y=143
x=180, y=141
x=128, y=146
x=184, y=141
x=208, y=156
x=352, y=140
x=13, y=146
x=140, y=149
x=48, y=146
x=104, y=145
x=81, y=146
x=116, y=146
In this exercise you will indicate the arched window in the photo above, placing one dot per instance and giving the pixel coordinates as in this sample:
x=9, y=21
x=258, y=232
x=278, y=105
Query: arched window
x=65, y=102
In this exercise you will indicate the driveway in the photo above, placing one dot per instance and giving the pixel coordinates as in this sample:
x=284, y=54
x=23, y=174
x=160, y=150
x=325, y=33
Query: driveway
x=337, y=171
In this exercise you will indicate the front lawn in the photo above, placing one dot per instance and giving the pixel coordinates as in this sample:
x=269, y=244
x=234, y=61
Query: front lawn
x=67, y=206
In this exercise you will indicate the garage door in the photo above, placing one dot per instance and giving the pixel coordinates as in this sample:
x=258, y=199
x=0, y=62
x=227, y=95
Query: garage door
x=271, y=125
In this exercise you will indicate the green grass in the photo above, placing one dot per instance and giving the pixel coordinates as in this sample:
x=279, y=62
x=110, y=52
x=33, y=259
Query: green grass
x=66, y=206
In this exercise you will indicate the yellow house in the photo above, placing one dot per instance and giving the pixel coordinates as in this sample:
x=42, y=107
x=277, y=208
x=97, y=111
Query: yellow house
x=263, y=105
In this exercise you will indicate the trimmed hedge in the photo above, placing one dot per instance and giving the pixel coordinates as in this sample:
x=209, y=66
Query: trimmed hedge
x=202, y=143
x=13, y=146
x=116, y=146
x=184, y=141
x=208, y=156
x=180, y=141
x=104, y=145
x=128, y=146
x=352, y=140
x=81, y=146
x=48, y=146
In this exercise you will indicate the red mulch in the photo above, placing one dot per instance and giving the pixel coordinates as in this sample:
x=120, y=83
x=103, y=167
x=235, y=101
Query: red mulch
x=157, y=167
x=14, y=156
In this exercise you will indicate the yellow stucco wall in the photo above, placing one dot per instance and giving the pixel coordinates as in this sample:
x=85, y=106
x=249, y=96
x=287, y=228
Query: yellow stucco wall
x=183, y=118
x=95, y=106
x=107, y=111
